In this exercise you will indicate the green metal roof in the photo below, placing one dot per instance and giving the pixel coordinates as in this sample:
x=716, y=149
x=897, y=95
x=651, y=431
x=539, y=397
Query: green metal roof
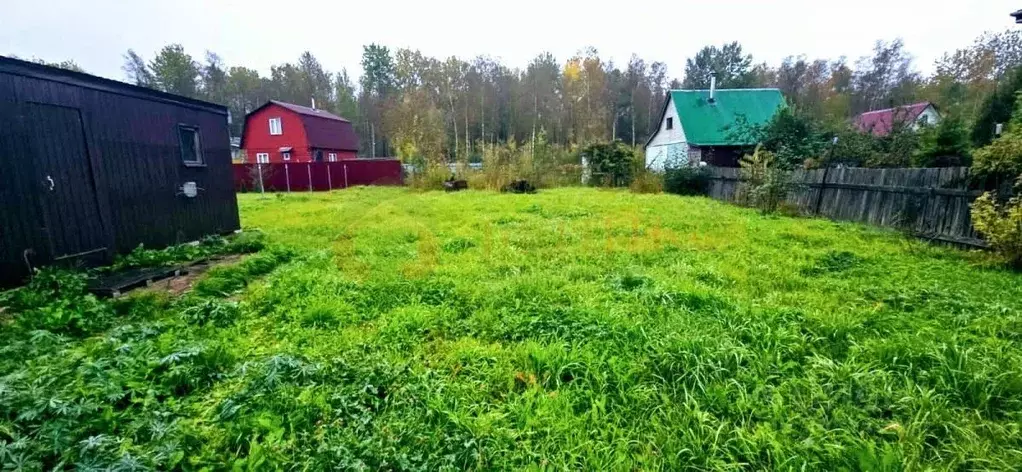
x=705, y=123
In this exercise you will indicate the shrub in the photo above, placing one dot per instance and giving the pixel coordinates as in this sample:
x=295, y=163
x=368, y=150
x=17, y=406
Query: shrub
x=895, y=149
x=542, y=164
x=792, y=136
x=687, y=180
x=501, y=165
x=944, y=145
x=1001, y=225
x=430, y=177
x=611, y=164
x=852, y=149
x=1001, y=159
x=766, y=185
x=997, y=108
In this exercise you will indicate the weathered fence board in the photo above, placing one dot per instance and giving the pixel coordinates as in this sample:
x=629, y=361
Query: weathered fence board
x=932, y=203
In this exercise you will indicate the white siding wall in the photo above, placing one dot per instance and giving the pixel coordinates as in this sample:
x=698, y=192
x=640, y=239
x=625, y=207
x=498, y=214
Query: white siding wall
x=928, y=116
x=668, y=145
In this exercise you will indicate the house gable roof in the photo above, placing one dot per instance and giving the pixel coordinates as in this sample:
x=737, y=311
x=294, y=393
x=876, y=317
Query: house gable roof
x=323, y=129
x=880, y=122
x=708, y=124
x=306, y=111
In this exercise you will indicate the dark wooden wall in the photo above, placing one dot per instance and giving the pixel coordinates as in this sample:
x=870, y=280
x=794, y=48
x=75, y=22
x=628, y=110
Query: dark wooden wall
x=722, y=156
x=133, y=152
x=931, y=203
x=19, y=215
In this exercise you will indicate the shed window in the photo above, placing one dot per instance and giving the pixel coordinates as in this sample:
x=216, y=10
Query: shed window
x=332, y=156
x=191, y=148
x=263, y=157
x=670, y=123
x=275, y=127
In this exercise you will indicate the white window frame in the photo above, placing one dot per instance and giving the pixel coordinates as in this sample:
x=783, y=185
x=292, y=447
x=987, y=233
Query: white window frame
x=331, y=157
x=195, y=145
x=276, y=127
x=262, y=158
x=286, y=155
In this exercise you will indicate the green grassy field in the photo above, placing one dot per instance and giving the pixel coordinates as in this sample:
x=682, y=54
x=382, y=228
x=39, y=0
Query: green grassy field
x=571, y=329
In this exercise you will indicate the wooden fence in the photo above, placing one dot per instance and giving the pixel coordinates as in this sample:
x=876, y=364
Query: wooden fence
x=930, y=203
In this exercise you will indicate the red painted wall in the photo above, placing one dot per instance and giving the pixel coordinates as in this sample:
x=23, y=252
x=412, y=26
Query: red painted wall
x=318, y=176
x=257, y=137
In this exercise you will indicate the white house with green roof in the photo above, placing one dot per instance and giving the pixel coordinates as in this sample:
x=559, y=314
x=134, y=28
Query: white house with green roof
x=698, y=125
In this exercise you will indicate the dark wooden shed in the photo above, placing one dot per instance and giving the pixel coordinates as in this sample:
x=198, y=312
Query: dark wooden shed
x=91, y=167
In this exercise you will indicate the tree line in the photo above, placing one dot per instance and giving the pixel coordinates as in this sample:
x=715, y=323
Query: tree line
x=410, y=105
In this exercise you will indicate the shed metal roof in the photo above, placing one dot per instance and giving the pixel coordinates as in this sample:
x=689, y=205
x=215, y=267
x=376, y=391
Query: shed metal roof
x=39, y=71
x=708, y=124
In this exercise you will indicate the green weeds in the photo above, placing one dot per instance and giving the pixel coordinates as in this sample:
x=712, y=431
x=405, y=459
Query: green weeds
x=572, y=329
x=243, y=243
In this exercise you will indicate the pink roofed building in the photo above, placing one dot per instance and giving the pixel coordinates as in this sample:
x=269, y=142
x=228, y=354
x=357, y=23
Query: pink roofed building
x=880, y=122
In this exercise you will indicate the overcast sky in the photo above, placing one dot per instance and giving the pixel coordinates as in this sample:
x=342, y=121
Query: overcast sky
x=256, y=33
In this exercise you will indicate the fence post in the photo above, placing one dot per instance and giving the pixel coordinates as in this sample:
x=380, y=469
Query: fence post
x=823, y=185
x=345, y=175
x=329, y=181
x=826, y=171
x=287, y=177
x=309, y=168
x=259, y=168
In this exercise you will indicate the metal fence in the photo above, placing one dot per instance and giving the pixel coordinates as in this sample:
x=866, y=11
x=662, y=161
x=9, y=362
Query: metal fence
x=930, y=203
x=316, y=176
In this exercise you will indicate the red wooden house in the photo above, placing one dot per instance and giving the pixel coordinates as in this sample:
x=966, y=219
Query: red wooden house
x=279, y=132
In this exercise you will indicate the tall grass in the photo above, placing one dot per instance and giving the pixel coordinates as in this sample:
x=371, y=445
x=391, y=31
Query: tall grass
x=571, y=329
x=543, y=165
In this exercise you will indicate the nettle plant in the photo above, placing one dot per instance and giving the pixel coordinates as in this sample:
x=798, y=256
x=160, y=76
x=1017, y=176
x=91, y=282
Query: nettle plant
x=112, y=384
x=56, y=300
